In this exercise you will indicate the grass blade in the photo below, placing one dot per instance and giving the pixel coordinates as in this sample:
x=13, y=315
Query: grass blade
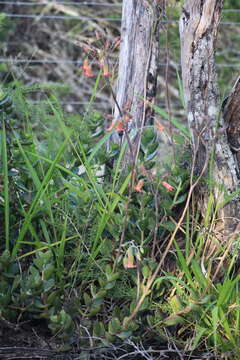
x=5, y=185
x=40, y=193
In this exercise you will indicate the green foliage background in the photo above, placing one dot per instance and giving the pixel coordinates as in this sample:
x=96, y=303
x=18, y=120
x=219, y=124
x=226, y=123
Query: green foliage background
x=78, y=248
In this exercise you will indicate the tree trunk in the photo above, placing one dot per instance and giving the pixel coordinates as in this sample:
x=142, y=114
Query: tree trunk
x=231, y=113
x=138, y=64
x=198, y=31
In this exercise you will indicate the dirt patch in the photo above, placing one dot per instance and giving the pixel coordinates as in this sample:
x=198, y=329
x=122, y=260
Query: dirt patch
x=29, y=341
x=32, y=340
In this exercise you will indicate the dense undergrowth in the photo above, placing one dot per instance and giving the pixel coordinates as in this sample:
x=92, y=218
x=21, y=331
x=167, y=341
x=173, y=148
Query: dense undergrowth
x=82, y=241
x=61, y=39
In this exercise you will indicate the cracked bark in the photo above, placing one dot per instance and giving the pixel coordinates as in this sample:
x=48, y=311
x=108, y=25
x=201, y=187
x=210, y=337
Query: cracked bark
x=231, y=113
x=198, y=32
x=138, y=62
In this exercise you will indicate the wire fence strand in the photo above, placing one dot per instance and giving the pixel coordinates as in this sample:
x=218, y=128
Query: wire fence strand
x=72, y=103
x=36, y=62
x=80, y=62
x=86, y=18
x=70, y=3
x=84, y=3
x=60, y=17
x=47, y=61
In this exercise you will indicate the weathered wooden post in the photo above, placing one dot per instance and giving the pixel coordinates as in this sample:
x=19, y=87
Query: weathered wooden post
x=138, y=63
x=198, y=31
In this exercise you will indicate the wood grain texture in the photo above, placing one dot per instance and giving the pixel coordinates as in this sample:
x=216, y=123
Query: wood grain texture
x=138, y=59
x=231, y=113
x=198, y=32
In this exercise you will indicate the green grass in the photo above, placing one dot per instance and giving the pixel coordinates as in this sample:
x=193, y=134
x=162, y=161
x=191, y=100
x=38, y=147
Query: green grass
x=78, y=248
x=88, y=240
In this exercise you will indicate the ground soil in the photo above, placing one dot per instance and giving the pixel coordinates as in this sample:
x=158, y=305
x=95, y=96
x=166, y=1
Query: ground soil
x=32, y=340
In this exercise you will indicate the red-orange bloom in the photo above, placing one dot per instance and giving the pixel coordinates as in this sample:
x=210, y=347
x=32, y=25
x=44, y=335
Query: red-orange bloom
x=87, y=69
x=128, y=260
x=88, y=74
x=128, y=264
x=118, y=126
x=106, y=73
x=139, y=186
x=159, y=126
x=106, y=70
x=167, y=186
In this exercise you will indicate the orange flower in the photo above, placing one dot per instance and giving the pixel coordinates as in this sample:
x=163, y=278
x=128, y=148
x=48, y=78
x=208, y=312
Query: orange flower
x=88, y=74
x=106, y=73
x=128, y=260
x=129, y=264
x=86, y=66
x=167, y=186
x=104, y=65
x=106, y=70
x=118, y=126
x=159, y=126
x=87, y=70
x=139, y=186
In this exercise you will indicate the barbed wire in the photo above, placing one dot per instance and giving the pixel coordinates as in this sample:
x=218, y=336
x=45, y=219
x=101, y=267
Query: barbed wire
x=86, y=18
x=84, y=3
x=80, y=62
x=231, y=10
x=46, y=61
x=36, y=102
x=44, y=102
x=41, y=61
x=228, y=65
x=60, y=17
x=230, y=23
x=71, y=3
